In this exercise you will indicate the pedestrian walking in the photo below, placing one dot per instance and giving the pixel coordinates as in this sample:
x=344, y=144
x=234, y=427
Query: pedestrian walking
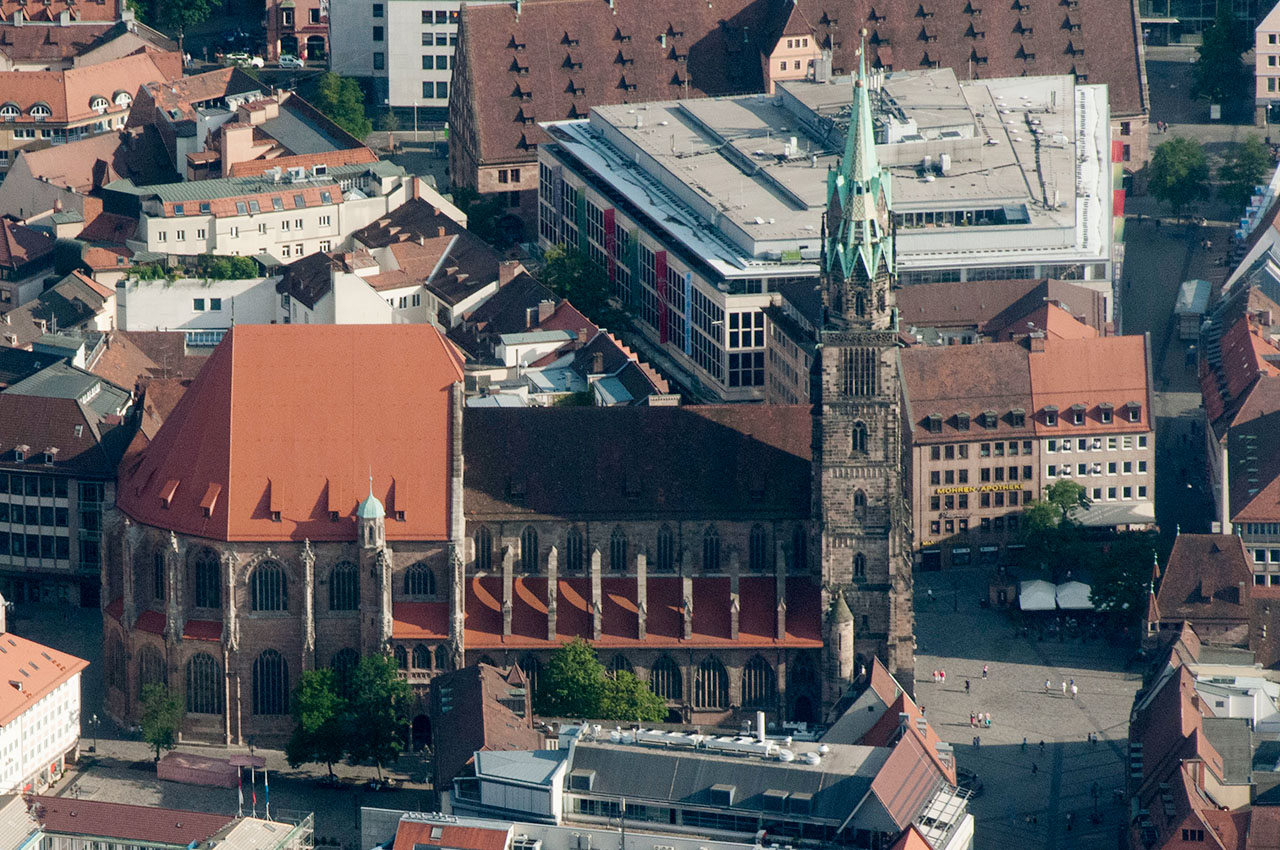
x=1035, y=768
x=929, y=592
x=1024, y=743
x=1042, y=746
x=1064, y=689
x=972, y=719
x=943, y=671
x=985, y=668
x=988, y=720
x=1074, y=691
x=966, y=686
x=1046, y=686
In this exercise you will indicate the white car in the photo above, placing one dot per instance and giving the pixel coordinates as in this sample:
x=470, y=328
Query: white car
x=291, y=62
x=244, y=59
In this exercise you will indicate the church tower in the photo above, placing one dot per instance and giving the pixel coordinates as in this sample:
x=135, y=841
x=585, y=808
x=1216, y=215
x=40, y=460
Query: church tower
x=857, y=406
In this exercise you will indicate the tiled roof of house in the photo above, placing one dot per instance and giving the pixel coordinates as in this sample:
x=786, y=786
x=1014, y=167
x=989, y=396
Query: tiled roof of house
x=70, y=303
x=96, y=161
x=468, y=714
x=184, y=94
x=1092, y=372
x=39, y=670
x=907, y=779
x=86, y=443
x=412, y=835
x=548, y=61
x=28, y=44
x=170, y=352
x=21, y=245
x=1208, y=578
x=967, y=379
x=221, y=466
x=70, y=95
x=105, y=10
x=1253, y=469
x=706, y=461
x=68, y=816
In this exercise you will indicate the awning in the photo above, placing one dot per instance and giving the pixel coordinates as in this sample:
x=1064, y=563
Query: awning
x=1074, y=596
x=1037, y=595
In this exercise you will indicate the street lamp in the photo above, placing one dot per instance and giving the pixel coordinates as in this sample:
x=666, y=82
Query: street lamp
x=415, y=120
x=93, y=721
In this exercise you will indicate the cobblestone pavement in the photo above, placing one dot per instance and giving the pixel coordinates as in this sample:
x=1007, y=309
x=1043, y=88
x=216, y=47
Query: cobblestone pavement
x=955, y=634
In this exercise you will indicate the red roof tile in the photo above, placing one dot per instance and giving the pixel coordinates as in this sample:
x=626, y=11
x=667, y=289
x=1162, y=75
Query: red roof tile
x=413, y=834
x=150, y=621
x=268, y=386
x=906, y=780
x=420, y=620
x=210, y=630
x=66, y=816
x=39, y=668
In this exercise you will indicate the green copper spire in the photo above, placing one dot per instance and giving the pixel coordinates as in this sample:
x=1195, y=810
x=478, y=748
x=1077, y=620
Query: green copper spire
x=859, y=194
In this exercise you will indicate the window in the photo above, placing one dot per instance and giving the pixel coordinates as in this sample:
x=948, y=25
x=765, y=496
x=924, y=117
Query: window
x=711, y=685
x=859, y=565
x=151, y=669
x=197, y=304
x=1051, y=416
x=758, y=549
x=268, y=588
x=344, y=587
x=402, y=657
x=665, y=560
x=324, y=221
x=315, y=16
x=204, y=685
x=483, y=541
x=428, y=62
x=860, y=438
x=419, y=580
x=270, y=683
x=573, y=547
x=759, y=684
x=379, y=34
x=442, y=91
x=711, y=550
x=157, y=577
x=208, y=589
x=665, y=679
x=379, y=59
x=618, y=550
x=377, y=10
x=529, y=549
x=421, y=657
x=1195, y=834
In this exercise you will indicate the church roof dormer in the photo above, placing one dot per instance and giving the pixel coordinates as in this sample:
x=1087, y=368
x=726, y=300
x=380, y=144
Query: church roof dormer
x=859, y=194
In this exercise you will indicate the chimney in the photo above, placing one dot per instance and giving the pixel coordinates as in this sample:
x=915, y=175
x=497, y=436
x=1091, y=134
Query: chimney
x=507, y=270
x=582, y=336
x=1035, y=342
x=545, y=309
x=597, y=362
x=760, y=726
x=4, y=615
x=440, y=230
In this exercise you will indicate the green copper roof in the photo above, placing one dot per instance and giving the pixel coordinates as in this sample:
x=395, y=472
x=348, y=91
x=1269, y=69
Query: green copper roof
x=370, y=508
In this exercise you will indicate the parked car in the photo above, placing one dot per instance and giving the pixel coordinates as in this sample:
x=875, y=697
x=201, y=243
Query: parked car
x=287, y=61
x=245, y=60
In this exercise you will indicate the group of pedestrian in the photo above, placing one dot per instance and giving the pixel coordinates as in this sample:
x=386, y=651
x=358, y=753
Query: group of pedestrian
x=1162, y=127
x=1068, y=687
x=939, y=677
x=980, y=719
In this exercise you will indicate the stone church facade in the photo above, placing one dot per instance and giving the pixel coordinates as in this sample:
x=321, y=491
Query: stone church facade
x=320, y=494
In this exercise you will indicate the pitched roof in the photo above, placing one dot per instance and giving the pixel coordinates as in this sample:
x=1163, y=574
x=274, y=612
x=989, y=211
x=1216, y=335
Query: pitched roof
x=96, y=161
x=235, y=431
x=67, y=816
x=907, y=779
x=87, y=444
x=1108, y=370
x=549, y=61
x=21, y=245
x=1208, y=578
x=70, y=303
x=470, y=712
x=413, y=834
x=107, y=10
x=1253, y=470
x=68, y=94
x=169, y=351
x=185, y=94
x=971, y=379
x=39, y=669
x=705, y=461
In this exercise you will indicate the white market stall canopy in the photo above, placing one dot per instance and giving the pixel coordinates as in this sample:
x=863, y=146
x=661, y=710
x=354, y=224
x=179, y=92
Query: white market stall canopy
x=1074, y=596
x=1037, y=595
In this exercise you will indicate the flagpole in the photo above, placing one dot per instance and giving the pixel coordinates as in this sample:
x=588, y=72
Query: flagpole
x=253, y=789
x=240, y=790
x=266, y=790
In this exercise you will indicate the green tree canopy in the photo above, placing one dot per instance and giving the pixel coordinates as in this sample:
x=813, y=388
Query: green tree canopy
x=574, y=684
x=320, y=735
x=482, y=211
x=1179, y=173
x=378, y=711
x=1220, y=74
x=341, y=99
x=1247, y=164
x=571, y=274
x=162, y=713
x=182, y=15
x=1122, y=574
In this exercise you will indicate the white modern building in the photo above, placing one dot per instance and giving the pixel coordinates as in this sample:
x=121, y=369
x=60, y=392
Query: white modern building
x=405, y=46
x=700, y=209
x=204, y=309
x=39, y=712
x=285, y=214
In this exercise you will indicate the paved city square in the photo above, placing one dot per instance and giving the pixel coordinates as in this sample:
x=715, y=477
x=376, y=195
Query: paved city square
x=1053, y=784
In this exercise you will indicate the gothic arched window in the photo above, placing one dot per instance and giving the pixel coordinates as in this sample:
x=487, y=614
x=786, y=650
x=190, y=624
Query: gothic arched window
x=529, y=550
x=711, y=685
x=532, y=668
x=665, y=679
x=573, y=551
x=859, y=502
x=758, y=550
x=759, y=685
x=799, y=548
x=269, y=588
x=344, y=587
x=665, y=561
x=402, y=658
x=711, y=550
x=344, y=664
x=419, y=580
x=442, y=657
x=204, y=684
x=270, y=683
x=484, y=548
x=208, y=585
x=859, y=437
x=422, y=657
x=618, y=550
x=151, y=668
x=620, y=663
x=859, y=565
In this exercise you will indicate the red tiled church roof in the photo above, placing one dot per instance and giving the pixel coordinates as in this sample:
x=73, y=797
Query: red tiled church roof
x=285, y=423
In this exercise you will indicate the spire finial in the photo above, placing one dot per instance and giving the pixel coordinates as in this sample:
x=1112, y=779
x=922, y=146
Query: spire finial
x=370, y=480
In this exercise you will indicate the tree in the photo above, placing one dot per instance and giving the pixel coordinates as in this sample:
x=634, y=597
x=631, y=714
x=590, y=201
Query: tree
x=1179, y=173
x=1220, y=74
x=341, y=99
x=625, y=697
x=388, y=122
x=378, y=711
x=1050, y=536
x=571, y=274
x=1067, y=496
x=1122, y=574
x=482, y=211
x=1247, y=164
x=162, y=713
x=320, y=734
x=182, y=15
x=574, y=684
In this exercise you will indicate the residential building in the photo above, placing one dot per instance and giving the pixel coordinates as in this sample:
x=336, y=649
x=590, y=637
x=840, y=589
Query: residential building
x=1206, y=584
x=475, y=709
x=17, y=13
x=279, y=215
x=63, y=433
x=76, y=302
x=43, y=108
x=201, y=309
x=26, y=260
x=298, y=28
x=405, y=48
x=1266, y=65
x=39, y=712
x=991, y=425
x=608, y=57
x=223, y=124
x=79, y=824
x=701, y=210
x=68, y=42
